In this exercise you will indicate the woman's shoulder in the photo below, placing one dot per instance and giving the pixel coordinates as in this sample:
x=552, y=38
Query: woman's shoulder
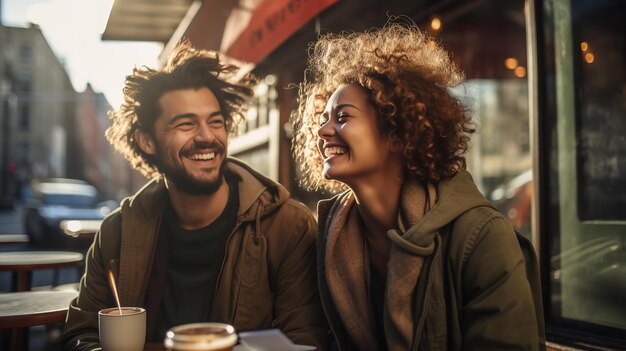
x=483, y=228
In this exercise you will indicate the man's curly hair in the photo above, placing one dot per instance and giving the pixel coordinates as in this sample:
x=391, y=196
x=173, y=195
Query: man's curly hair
x=186, y=68
x=408, y=76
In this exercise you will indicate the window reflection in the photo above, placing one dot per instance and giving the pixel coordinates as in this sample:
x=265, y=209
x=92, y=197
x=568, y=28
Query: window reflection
x=489, y=43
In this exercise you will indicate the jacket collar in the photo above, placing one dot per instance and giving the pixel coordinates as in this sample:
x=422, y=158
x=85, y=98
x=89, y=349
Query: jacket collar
x=455, y=196
x=255, y=190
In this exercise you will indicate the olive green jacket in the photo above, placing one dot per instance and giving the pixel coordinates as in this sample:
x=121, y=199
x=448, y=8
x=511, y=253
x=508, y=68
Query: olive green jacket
x=479, y=290
x=267, y=279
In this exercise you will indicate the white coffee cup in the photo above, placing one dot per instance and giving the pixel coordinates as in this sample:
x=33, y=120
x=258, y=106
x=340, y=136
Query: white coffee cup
x=125, y=332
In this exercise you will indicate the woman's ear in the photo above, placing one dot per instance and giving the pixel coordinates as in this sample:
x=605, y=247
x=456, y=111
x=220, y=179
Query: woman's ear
x=396, y=144
x=145, y=142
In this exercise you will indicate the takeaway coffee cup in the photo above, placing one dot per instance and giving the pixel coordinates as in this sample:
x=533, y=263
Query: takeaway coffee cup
x=122, y=332
x=201, y=337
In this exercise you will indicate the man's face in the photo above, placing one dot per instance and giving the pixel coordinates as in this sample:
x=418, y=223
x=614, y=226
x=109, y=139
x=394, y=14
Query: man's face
x=190, y=140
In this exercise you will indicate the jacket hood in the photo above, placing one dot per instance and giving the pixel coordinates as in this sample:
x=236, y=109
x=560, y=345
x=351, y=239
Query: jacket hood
x=454, y=197
x=256, y=193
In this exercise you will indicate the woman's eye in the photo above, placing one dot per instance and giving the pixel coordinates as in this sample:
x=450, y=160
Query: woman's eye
x=342, y=117
x=323, y=120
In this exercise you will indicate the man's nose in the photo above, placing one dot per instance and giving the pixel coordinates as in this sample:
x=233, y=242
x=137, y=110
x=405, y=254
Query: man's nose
x=204, y=133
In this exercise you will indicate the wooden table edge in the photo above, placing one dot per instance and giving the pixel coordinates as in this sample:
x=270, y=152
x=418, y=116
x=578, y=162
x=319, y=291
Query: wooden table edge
x=8, y=322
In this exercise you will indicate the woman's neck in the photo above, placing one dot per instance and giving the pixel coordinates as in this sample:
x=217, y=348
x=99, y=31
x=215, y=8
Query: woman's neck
x=378, y=208
x=378, y=198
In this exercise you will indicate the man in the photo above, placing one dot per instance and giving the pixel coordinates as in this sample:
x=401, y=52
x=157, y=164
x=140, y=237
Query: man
x=208, y=238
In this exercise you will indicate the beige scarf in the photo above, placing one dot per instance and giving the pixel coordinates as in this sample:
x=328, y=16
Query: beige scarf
x=347, y=271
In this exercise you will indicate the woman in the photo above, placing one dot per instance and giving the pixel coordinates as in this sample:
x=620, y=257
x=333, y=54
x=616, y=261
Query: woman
x=410, y=255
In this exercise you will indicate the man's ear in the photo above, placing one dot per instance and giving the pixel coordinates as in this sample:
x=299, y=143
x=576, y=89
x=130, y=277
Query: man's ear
x=145, y=142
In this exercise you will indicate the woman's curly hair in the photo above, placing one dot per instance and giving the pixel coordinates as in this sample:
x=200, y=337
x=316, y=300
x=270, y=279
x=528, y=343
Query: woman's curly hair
x=408, y=76
x=187, y=68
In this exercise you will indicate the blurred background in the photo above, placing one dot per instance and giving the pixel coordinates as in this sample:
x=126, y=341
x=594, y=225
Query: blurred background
x=546, y=84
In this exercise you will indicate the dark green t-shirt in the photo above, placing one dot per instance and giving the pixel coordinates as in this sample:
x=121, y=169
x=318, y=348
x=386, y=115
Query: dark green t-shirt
x=194, y=261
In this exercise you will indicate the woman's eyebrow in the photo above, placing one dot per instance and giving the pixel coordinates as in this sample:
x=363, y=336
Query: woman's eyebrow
x=340, y=106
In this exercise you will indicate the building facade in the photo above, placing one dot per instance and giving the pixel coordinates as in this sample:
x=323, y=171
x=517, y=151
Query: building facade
x=38, y=100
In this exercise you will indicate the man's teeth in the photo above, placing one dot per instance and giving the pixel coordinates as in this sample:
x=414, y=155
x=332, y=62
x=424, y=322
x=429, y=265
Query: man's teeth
x=335, y=150
x=203, y=157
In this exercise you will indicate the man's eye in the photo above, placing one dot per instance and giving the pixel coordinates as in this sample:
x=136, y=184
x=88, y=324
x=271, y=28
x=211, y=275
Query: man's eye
x=184, y=125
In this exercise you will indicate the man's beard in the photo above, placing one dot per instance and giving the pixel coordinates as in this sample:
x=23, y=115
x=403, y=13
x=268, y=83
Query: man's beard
x=186, y=183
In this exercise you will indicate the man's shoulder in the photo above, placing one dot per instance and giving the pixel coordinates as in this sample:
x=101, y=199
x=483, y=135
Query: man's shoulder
x=297, y=207
x=145, y=201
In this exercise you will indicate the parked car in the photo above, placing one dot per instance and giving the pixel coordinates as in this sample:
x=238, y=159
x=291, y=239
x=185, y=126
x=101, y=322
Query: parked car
x=513, y=199
x=53, y=201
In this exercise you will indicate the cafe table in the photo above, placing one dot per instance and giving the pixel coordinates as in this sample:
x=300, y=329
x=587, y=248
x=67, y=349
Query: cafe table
x=80, y=228
x=9, y=239
x=23, y=263
x=20, y=310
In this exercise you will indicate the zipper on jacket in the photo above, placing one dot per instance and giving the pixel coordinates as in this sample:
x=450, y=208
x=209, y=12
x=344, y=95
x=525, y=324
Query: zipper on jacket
x=425, y=290
x=334, y=321
x=146, y=284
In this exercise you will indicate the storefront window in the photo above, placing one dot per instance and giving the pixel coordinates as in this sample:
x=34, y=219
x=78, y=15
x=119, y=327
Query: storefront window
x=487, y=39
x=256, y=141
x=585, y=221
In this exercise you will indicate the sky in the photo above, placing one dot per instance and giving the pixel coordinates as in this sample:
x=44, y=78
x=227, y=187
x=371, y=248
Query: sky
x=73, y=29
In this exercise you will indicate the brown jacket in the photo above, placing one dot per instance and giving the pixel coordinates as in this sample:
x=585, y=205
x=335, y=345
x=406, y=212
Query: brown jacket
x=267, y=280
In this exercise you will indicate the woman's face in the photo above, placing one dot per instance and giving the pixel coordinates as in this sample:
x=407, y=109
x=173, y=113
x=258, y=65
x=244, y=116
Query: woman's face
x=350, y=141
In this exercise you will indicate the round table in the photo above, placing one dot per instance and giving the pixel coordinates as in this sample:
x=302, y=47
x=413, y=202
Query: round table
x=19, y=310
x=30, y=308
x=9, y=239
x=22, y=264
x=80, y=228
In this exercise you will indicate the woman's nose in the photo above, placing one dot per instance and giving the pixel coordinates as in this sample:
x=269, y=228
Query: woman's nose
x=327, y=129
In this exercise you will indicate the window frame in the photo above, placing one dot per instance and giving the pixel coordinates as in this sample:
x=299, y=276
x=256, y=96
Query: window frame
x=553, y=76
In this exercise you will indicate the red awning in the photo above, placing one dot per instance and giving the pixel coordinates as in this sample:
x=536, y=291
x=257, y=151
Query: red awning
x=271, y=23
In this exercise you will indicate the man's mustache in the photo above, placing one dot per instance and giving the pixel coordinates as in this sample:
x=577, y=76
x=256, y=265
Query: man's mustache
x=197, y=147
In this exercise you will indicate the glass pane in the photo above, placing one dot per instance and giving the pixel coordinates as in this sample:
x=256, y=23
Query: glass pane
x=598, y=32
x=488, y=42
x=586, y=229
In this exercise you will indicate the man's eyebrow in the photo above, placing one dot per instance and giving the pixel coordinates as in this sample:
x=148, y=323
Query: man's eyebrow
x=216, y=113
x=175, y=118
